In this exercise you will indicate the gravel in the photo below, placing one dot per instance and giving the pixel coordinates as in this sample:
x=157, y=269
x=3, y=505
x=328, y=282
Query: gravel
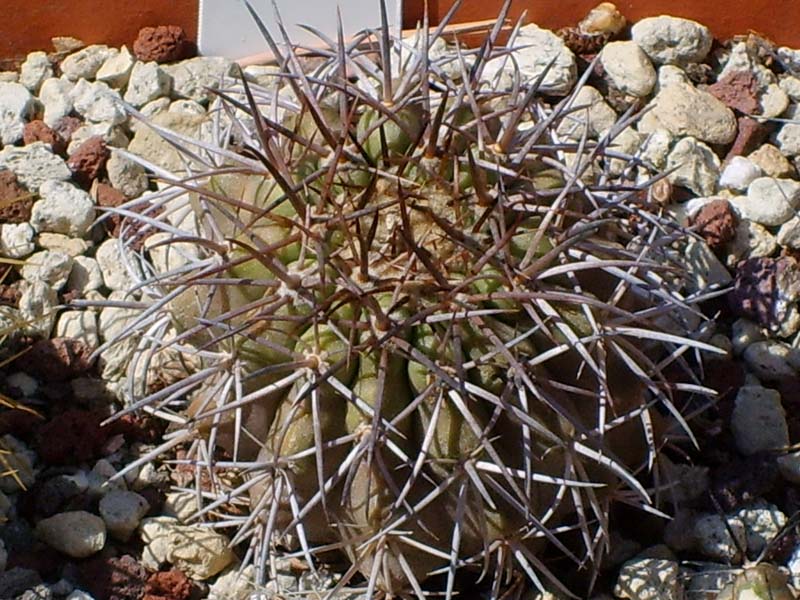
x=739, y=190
x=122, y=511
x=77, y=534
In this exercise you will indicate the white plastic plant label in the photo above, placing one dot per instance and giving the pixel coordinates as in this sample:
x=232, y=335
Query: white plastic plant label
x=228, y=29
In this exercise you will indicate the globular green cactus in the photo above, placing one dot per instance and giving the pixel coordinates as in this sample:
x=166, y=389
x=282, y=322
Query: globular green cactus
x=434, y=334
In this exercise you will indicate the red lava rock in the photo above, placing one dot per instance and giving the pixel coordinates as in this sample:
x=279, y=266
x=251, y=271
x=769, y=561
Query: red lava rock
x=137, y=428
x=67, y=296
x=739, y=91
x=716, y=223
x=751, y=134
x=56, y=359
x=168, y=585
x=66, y=126
x=109, y=197
x=9, y=295
x=114, y=578
x=759, y=287
x=162, y=44
x=45, y=561
x=15, y=203
x=89, y=160
x=755, y=289
x=72, y=437
x=38, y=131
x=19, y=423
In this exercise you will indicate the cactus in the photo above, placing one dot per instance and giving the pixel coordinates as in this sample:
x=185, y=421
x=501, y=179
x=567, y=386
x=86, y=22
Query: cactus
x=434, y=334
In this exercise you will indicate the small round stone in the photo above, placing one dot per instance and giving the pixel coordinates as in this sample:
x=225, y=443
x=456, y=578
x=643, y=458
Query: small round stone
x=758, y=421
x=77, y=534
x=122, y=510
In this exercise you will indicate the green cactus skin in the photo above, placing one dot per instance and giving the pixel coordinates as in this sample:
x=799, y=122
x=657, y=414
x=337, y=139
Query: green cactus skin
x=431, y=343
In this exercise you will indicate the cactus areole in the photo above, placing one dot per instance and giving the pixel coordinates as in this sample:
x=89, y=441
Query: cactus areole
x=428, y=331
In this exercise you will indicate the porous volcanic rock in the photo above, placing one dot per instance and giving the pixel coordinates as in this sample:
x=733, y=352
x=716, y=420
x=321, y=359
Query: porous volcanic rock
x=716, y=223
x=18, y=211
x=89, y=160
x=162, y=44
x=764, y=288
x=72, y=437
x=168, y=585
x=38, y=131
x=738, y=90
x=56, y=359
x=122, y=578
x=66, y=126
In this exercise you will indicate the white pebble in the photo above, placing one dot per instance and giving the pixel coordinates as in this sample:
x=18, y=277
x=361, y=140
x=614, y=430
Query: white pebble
x=37, y=305
x=695, y=165
x=16, y=240
x=771, y=360
x=198, y=551
x=23, y=382
x=537, y=49
x=85, y=63
x=63, y=208
x=628, y=68
x=98, y=103
x=80, y=325
x=743, y=333
x=34, y=164
x=192, y=78
x=738, y=174
x=16, y=105
x=113, y=135
x=119, y=267
x=672, y=40
x=63, y=243
x=77, y=533
x=233, y=585
x=147, y=83
x=85, y=275
x=35, y=70
x=100, y=479
x=117, y=69
x=49, y=266
x=55, y=97
x=126, y=175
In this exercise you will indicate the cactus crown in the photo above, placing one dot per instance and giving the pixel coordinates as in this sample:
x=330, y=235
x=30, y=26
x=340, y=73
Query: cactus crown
x=428, y=331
